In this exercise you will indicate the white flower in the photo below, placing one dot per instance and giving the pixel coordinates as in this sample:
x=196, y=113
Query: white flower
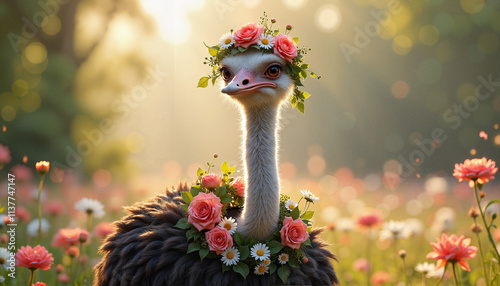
x=4, y=256
x=261, y=269
x=266, y=41
x=310, y=197
x=230, y=256
x=229, y=224
x=260, y=251
x=226, y=41
x=425, y=268
x=290, y=205
x=2, y=279
x=32, y=227
x=394, y=230
x=436, y=273
x=90, y=206
x=283, y=258
x=345, y=224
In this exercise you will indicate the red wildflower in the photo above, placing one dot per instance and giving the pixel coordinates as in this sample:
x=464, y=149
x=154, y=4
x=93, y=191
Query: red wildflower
x=369, y=220
x=67, y=237
x=42, y=167
x=475, y=170
x=34, y=258
x=39, y=284
x=452, y=249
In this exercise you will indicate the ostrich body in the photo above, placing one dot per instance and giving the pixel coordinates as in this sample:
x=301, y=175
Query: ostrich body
x=146, y=248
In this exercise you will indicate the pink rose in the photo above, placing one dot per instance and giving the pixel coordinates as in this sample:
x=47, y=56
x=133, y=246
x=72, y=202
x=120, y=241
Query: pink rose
x=219, y=239
x=247, y=35
x=239, y=185
x=205, y=211
x=211, y=181
x=293, y=233
x=285, y=47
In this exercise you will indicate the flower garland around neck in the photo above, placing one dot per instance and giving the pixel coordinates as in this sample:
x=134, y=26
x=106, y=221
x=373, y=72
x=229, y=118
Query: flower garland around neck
x=214, y=233
x=262, y=37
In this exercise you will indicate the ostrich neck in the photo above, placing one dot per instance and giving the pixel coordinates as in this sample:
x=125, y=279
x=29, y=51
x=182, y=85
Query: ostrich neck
x=261, y=210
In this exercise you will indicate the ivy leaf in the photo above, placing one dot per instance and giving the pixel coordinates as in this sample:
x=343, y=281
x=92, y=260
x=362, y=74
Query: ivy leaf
x=244, y=252
x=234, y=52
x=226, y=198
x=313, y=75
x=231, y=170
x=300, y=107
x=225, y=167
x=187, y=197
x=204, y=252
x=272, y=268
x=213, y=51
x=189, y=234
x=274, y=246
x=241, y=268
x=283, y=273
x=241, y=49
x=304, y=66
x=203, y=82
x=194, y=246
x=307, y=215
x=296, y=39
x=303, y=74
x=220, y=191
x=293, y=101
x=305, y=95
x=307, y=242
x=183, y=223
x=295, y=212
x=214, y=79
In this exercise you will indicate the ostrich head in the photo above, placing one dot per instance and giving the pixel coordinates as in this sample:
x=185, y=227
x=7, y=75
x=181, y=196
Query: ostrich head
x=255, y=79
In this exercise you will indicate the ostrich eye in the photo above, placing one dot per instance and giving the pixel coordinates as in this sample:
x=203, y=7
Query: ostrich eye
x=273, y=71
x=226, y=74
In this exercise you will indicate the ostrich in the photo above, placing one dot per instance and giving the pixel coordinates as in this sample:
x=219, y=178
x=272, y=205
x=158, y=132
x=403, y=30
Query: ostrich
x=146, y=248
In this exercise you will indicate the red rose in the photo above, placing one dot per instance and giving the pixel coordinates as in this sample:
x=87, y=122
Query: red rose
x=211, y=181
x=285, y=47
x=219, y=239
x=293, y=233
x=247, y=35
x=205, y=211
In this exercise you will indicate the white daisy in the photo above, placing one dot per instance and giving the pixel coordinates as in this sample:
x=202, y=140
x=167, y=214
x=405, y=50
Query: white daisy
x=290, y=205
x=266, y=41
x=436, y=273
x=32, y=227
x=283, y=258
x=394, y=230
x=260, y=251
x=310, y=197
x=226, y=41
x=345, y=224
x=229, y=224
x=261, y=269
x=4, y=256
x=425, y=268
x=2, y=279
x=90, y=206
x=230, y=256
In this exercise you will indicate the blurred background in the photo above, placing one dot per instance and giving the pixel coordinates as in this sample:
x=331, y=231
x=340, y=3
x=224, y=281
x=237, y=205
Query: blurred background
x=107, y=89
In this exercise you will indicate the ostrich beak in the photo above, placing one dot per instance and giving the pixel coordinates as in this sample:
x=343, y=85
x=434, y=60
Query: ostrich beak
x=245, y=82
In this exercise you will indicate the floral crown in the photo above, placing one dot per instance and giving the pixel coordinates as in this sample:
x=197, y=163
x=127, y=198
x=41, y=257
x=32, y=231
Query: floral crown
x=262, y=37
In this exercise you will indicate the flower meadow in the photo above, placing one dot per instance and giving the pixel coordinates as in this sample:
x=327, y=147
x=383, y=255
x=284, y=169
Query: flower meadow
x=437, y=229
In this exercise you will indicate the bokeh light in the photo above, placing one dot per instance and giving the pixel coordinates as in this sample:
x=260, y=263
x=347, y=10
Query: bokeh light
x=328, y=18
x=429, y=71
x=400, y=89
x=35, y=53
x=472, y=6
x=428, y=35
x=402, y=45
x=52, y=26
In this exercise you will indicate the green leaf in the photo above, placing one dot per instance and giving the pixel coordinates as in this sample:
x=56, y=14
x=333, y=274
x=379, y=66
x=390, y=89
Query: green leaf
x=304, y=66
x=479, y=186
x=189, y=234
x=231, y=170
x=241, y=268
x=272, y=268
x=283, y=273
x=204, y=252
x=300, y=107
x=313, y=75
x=195, y=190
x=214, y=79
x=307, y=242
x=187, y=197
x=225, y=268
x=307, y=215
x=200, y=172
x=293, y=262
x=226, y=198
x=234, y=52
x=274, y=246
x=194, y=246
x=220, y=191
x=241, y=49
x=185, y=207
x=225, y=167
x=305, y=95
x=296, y=39
x=296, y=70
x=203, y=82
x=238, y=239
x=295, y=213
x=303, y=74
x=293, y=101
x=244, y=252
x=183, y=223
x=298, y=83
